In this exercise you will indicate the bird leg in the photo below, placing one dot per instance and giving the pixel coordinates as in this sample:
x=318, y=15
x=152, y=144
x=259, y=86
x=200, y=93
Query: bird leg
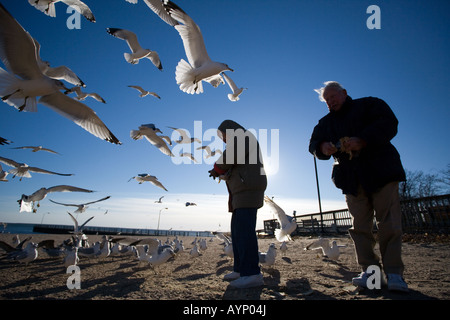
x=6, y=97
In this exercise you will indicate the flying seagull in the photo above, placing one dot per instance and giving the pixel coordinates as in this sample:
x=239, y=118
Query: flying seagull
x=189, y=76
x=36, y=149
x=236, y=91
x=48, y=7
x=26, y=202
x=149, y=132
x=83, y=95
x=22, y=170
x=209, y=152
x=145, y=92
x=144, y=177
x=18, y=53
x=287, y=223
x=157, y=7
x=60, y=73
x=137, y=51
x=81, y=207
x=184, y=137
x=4, y=141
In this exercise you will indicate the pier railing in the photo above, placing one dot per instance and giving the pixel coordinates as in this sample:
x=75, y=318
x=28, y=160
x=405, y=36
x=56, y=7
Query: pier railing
x=419, y=215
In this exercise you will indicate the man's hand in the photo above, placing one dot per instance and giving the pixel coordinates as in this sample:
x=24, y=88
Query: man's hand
x=327, y=148
x=354, y=144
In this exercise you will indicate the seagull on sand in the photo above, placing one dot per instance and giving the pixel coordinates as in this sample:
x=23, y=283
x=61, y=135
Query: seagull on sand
x=30, y=253
x=195, y=252
x=81, y=207
x=330, y=251
x=26, y=203
x=83, y=95
x=36, y=149
x=60, y=73
x=22, y=170
x=144, y=177
x=236, y=91
x=149, y=132
x=227, y=244
x=156, y=254
x=283, y=247
x=287, y=223
x=48, y=7
x=137, y=51
x=145, y=92
x=18, y=53
x=50, y=249
x=184, y=137
x=268, y=258
x=189, y=76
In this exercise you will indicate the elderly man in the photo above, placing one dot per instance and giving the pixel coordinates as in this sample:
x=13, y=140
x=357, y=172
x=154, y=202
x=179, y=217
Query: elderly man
x=367, y=168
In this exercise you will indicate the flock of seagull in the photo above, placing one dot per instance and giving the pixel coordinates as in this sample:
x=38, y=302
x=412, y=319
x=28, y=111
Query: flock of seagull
x=29, y=77
x=150, y=251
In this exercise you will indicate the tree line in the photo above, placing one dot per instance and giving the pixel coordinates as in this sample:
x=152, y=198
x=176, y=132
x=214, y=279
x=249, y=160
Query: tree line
x=419, y=184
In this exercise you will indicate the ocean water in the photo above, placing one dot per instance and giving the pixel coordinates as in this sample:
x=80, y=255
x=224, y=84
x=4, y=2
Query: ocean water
x=27, y=228
x=17, y=228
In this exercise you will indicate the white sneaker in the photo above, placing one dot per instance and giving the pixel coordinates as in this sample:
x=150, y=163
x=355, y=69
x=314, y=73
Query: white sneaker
x=232, y=276
x=361, y=280
x=248, y=281
x=395, y=282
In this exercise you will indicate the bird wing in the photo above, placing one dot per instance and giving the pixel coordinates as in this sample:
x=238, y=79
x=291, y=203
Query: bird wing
x=105, y=198
x=49, y=150
x=156, y=182
x=9, y=162
x=79, y=113
x=230, y=82
x=139, y=88
x=82, y=8
x=66, y=188
x=158, y=142
x=65, y=204
x=17, y=48
x=281, y=215
x=127, y=35
x=75, y=222
x=190, y=33
x=39, y=170
x=157, y=7
x=82, y=226
x=319, y=244
x=64, y=73
x=7, y=247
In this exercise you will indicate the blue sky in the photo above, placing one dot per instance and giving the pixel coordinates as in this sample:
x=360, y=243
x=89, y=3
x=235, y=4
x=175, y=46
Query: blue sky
x=280, y=51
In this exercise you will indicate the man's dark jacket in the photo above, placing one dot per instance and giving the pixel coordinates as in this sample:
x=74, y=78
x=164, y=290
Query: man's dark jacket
x=377, y=164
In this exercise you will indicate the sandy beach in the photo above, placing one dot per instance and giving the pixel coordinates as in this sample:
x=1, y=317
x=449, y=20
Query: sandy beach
x=296, y=275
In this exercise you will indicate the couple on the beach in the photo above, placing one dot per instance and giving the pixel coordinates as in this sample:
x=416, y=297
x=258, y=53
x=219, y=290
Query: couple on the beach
x=367, y=169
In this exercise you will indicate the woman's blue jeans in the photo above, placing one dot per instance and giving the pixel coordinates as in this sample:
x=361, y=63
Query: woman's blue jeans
x=245, y=242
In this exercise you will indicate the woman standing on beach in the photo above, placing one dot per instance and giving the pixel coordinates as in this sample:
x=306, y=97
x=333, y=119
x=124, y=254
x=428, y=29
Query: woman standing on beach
x=241, y=166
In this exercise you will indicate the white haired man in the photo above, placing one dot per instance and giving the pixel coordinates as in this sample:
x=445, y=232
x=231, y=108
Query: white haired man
x=367, y=168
